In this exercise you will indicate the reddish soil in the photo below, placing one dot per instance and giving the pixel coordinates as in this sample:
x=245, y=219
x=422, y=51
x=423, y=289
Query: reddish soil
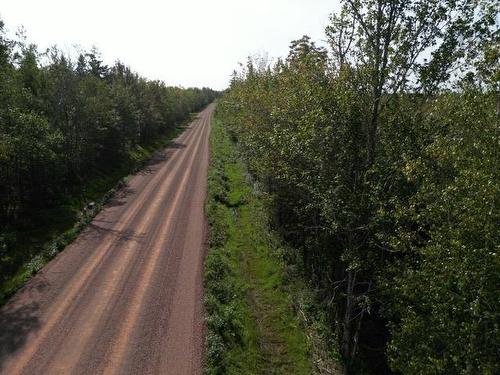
x=126, y=297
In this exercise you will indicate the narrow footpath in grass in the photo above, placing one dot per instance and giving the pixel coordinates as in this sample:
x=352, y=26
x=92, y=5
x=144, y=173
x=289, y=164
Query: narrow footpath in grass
x=255, y=317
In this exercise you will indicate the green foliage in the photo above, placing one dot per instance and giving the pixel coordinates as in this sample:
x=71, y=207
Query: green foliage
x=387, y=194
x=68, y=132
x=252, y=327
x=449, y=320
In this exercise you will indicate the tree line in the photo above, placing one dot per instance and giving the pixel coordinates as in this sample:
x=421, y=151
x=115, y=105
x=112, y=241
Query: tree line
x=64, y=121
x=70, y=128
x=380, y=154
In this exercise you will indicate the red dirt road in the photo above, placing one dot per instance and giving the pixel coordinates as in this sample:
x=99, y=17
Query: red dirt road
x=126, y=296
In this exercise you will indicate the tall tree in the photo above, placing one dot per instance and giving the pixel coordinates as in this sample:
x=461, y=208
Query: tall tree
x=388, y=39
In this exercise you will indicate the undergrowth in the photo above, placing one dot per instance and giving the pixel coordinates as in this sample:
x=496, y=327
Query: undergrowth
x=262, y=317
x=51, y=230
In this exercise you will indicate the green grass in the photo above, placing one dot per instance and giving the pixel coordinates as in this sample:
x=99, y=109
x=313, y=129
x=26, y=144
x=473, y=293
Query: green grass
x=261, y=319
x=50, y=230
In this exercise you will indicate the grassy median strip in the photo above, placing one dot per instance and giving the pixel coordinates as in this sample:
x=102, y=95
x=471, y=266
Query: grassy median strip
x=259, y=320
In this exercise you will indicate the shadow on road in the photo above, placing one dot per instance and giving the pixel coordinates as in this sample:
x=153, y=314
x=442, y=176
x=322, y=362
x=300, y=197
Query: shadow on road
x=121, y=235
x=176, y=145
x=120, y=198
x=160, y=157
x=16, y=322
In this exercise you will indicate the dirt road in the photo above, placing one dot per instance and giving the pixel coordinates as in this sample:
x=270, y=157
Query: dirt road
x=126, y=296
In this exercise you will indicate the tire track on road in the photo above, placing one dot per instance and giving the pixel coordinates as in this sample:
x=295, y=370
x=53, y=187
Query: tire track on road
x=85, y=308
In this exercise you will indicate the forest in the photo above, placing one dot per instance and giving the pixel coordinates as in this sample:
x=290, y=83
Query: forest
x=70, y=126
x=380, y=154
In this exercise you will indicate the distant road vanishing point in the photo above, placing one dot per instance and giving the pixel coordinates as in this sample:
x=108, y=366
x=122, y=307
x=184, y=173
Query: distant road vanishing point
x=126, y=296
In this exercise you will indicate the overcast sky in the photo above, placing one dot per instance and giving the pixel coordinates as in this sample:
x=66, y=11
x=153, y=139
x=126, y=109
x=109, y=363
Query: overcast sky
x=183, y=42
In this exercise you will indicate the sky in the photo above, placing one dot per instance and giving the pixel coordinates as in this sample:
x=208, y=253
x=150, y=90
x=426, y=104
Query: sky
x=189, y=43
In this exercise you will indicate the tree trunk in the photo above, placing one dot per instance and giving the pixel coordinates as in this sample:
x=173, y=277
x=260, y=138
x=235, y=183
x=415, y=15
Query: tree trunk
x=355, y=340
x=348, y=316
x=372, y=130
